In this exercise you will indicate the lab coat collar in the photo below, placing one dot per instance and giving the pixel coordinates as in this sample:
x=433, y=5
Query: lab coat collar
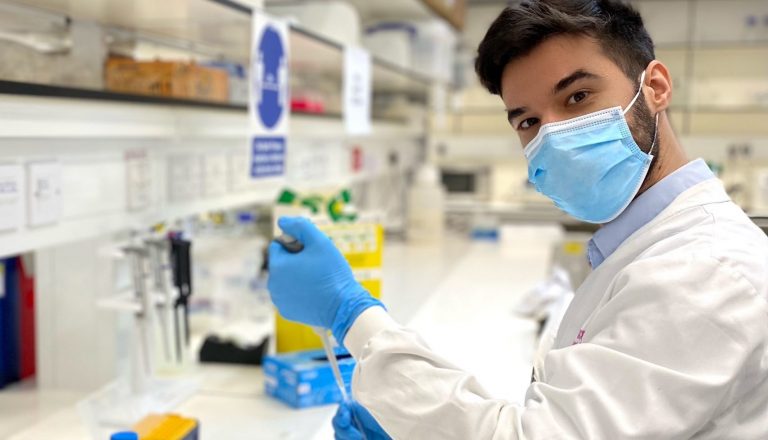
x=644, y=209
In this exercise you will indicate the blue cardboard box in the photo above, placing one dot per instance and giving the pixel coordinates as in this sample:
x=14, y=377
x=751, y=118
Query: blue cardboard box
x=304, y=378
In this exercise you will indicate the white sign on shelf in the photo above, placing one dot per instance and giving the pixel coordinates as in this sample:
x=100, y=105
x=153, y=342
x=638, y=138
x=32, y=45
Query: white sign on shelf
x=139, y=179
x=44, y=193
x=215, y=174
x=239, y=171
x=269, y=103
x=357, y=91
x=185, y=175
x=11, y=196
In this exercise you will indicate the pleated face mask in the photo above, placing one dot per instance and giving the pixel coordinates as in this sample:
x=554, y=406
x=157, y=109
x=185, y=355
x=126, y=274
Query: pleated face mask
x=589, y=166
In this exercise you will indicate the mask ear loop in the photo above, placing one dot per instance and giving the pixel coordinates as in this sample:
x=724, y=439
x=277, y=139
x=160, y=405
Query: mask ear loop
x=634, y=100
x=655, y=134
x=637, y=95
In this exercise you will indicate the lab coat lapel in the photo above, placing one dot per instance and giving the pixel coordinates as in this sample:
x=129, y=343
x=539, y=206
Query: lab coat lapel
x=596, y=289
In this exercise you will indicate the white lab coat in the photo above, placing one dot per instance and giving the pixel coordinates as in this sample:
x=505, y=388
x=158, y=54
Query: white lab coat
x=667, y=339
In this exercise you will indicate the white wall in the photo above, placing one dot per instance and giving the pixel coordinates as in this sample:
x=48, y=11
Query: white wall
x=727, y=68
x=76, y=341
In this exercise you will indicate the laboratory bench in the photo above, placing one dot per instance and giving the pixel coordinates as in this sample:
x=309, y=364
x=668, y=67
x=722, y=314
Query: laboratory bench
x=459, y=295
x=465, y=211
x=515, y=213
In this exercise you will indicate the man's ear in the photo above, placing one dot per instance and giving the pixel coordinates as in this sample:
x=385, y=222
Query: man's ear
x=658, y=87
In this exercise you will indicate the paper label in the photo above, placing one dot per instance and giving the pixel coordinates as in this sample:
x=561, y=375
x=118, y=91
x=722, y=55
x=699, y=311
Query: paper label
x=357, y=91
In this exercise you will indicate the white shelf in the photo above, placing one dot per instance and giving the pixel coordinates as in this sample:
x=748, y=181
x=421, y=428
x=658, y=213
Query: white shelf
x=91, y=138
x=70, y=230
x=90, y=132
x=23, y=117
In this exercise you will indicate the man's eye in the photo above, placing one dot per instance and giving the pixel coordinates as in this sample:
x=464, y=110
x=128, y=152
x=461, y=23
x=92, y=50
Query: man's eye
x=578, y=97
x=528, y=123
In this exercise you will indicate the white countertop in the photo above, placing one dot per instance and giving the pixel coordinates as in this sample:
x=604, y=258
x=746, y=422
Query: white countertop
x=458, y=295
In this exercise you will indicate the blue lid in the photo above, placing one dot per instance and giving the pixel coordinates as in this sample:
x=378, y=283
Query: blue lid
x=246, y=217
x=126, y=435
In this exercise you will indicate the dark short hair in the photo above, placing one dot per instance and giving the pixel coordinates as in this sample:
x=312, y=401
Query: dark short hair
x=615, y=25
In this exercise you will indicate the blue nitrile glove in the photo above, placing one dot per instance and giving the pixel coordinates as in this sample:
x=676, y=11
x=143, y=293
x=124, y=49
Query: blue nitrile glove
x=347, y=429
x=316, y=285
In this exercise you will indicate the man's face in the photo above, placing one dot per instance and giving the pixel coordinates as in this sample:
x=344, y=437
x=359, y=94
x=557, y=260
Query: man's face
x=568, y=76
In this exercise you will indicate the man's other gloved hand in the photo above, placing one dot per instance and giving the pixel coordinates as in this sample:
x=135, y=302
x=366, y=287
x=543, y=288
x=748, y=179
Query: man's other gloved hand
x=345, y=428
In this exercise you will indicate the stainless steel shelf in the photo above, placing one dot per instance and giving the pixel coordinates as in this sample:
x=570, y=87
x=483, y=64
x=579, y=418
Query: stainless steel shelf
x=750, y=109
x=396, y=10
x=222, y=28
x=483, y=111
x=31, y=89
x=43, y=90
x=714, y=45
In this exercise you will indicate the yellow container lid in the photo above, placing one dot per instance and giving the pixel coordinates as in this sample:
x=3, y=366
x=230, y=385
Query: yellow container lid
x=165, y=427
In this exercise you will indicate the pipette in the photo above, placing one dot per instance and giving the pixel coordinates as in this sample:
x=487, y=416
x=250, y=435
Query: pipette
x=294, y=246
x=329, y=353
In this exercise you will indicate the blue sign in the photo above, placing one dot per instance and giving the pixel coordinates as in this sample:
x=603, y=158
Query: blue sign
x=267, y=156
x=268, y=104
x=271, y=65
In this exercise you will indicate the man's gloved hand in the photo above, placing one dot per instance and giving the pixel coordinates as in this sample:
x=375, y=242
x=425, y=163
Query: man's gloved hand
x=316, y=285
x=346, y=428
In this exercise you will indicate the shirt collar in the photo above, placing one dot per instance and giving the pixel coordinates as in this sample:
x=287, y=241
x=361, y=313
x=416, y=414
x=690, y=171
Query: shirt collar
x=644, y=209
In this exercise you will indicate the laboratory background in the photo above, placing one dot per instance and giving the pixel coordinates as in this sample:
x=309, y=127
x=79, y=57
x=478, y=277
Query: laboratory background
x=148, y=147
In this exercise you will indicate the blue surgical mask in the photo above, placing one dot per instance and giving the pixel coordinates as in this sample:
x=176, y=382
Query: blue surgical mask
x=590, y=166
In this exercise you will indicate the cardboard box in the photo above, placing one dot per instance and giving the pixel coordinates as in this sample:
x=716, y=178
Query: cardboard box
x=167, y=79
x=304, y=378
x=238, y=80
x=209, y=84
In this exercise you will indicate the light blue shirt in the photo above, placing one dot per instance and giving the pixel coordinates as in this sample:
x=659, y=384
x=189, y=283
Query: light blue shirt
x=644, y=209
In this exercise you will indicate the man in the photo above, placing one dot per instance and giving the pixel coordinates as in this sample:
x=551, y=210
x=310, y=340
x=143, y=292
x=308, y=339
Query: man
x=668, y=336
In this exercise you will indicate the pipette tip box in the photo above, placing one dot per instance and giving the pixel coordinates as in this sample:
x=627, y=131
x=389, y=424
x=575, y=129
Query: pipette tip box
x=304, y=379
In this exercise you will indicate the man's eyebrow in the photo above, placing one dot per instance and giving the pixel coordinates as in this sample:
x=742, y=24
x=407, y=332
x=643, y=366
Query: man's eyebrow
x=559, y=87
x=515, y=112
x=572, y=78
